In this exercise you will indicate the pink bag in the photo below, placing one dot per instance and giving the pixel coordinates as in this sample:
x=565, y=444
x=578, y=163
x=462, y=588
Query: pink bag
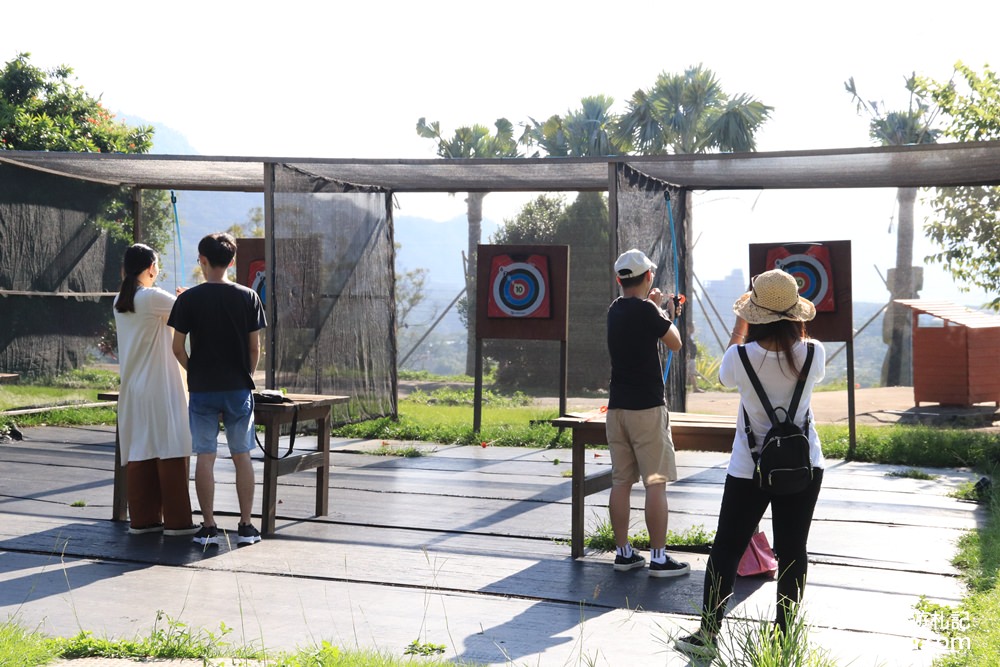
x=758, y=559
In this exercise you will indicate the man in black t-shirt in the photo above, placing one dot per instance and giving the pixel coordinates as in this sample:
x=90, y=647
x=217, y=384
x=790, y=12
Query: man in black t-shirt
x=222, y=319
x=638, y=425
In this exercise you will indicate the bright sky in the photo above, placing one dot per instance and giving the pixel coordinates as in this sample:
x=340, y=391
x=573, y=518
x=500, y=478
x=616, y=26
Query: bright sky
x=340, y=80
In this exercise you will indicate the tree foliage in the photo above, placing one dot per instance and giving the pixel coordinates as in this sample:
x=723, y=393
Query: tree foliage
x=472, y=141
x=691, y=113
x=966, y=221
x=589, y=131
x=45, y=110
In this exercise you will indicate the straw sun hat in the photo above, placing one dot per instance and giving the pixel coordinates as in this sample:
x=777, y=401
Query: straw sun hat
x=773, y=296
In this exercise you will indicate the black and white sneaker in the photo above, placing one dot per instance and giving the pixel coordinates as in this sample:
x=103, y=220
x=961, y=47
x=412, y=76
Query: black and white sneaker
x=623, y=564
x=174, y=532
x=207, y=535
x=668, y=568
x=696, y=646
x=246, y=534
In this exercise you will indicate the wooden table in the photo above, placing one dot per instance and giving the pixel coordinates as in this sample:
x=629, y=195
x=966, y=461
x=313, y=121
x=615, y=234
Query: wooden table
x=689, y=431
x=271, y=416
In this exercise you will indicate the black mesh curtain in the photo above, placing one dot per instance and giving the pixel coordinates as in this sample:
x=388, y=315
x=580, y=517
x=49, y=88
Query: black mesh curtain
x=334, y=292
x=651, y=218
x=51, y=245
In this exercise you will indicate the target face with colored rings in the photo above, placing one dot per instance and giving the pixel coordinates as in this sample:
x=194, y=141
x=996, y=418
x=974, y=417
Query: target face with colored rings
x=519, y=289
x=811, y=275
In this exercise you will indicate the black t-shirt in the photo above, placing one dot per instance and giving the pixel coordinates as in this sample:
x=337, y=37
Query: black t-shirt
x=634, y=327
x=219, y=317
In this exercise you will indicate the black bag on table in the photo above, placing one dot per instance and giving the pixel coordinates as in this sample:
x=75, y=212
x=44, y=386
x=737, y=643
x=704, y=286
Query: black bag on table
x=782, y=464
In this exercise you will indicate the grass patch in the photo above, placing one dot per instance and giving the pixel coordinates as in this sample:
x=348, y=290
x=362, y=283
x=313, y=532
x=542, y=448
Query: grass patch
x=755, y=642
x=405, y=451
x=970, y=630
x=914, y=446
x=85, y=378
x=911, y=473
x=446, y=396
x=452, y=424
x=24, y=648
x=602, y=538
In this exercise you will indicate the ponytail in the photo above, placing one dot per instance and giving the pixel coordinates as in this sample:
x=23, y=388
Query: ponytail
x=138, y=258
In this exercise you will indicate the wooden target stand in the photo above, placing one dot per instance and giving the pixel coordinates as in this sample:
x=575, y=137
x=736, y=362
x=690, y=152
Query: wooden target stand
x=823, y=271
x=522, y=293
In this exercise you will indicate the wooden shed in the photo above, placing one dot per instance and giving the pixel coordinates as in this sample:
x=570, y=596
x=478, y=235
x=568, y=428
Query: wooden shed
x=956, y=354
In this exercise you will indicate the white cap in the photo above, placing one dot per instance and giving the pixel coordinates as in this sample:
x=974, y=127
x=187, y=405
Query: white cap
x=632, y=264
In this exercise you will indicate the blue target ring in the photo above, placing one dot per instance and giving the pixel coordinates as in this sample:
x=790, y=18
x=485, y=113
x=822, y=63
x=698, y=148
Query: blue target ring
x=810, y=275
x=519, y=289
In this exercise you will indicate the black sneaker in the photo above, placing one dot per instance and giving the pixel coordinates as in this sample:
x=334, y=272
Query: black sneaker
x=623, y=564
x=207, y=535
x=668, y=568
x=696, y=646
x=246, y=534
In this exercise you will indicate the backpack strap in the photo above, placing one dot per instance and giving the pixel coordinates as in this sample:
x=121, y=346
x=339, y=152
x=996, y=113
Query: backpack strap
x=766, y=402
x=800, y=385
x=755, y=381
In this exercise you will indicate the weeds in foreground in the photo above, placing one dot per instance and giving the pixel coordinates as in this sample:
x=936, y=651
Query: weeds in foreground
x=24, y=648
x=758, y=643
x=169, y=638
x=175, y=640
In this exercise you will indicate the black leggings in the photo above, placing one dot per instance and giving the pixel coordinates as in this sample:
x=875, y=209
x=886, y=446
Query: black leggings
x=743, y=505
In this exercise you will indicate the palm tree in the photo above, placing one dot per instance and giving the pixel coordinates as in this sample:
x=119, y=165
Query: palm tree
x=691, y=113
x=590, y=131
x=473, y=141
x=899, y=128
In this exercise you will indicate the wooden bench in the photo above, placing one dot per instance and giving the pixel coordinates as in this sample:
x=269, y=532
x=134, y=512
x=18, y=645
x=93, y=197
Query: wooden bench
x=271, y=416
x=689, y=431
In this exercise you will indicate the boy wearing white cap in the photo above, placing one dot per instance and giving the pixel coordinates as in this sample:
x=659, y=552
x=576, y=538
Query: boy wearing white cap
x=638, y=425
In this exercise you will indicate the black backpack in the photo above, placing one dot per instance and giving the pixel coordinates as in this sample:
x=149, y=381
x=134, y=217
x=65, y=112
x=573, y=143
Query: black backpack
x=782, y=464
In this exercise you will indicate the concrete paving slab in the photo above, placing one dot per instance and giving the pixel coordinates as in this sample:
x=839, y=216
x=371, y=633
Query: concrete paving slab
x=464, y=547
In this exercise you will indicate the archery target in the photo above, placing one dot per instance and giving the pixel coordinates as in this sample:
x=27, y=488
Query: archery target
x=256, y=280
x=518, y=288
x=811, y=270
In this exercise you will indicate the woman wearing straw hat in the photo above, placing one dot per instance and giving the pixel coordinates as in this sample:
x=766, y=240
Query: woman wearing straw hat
x=770, y=325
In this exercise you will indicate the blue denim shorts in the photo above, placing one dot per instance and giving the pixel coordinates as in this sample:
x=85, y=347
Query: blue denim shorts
x=236, y=410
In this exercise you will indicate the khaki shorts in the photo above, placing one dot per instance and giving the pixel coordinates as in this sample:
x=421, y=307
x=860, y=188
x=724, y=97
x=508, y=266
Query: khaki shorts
x=641, y=447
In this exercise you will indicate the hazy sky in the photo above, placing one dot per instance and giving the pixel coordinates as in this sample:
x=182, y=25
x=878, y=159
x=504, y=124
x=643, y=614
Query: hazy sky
x=340, y=80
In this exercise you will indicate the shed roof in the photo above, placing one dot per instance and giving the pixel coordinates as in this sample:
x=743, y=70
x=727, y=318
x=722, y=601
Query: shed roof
x=953, y=313
x=894, y=166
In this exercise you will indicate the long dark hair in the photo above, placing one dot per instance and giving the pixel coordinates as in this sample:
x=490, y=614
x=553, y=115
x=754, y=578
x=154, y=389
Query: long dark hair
x=786, y=333
x=138, y=258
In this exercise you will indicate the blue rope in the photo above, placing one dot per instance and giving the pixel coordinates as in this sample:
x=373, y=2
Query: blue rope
x=179, y=246
x=677, y=285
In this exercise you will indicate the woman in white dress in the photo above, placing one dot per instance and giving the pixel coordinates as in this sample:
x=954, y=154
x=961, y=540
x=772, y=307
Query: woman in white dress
x=152, y=406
